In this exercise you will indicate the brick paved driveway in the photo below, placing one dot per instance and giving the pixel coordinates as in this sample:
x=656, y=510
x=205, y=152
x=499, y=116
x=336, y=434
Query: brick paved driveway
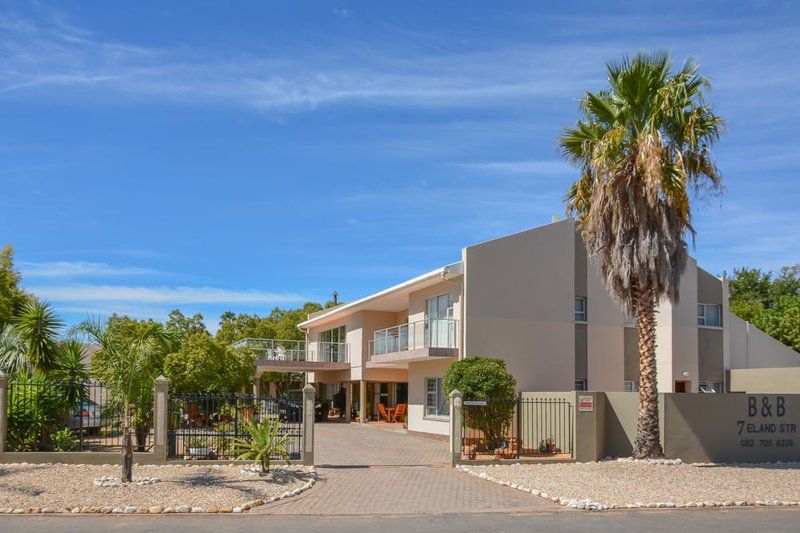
x=371, y=471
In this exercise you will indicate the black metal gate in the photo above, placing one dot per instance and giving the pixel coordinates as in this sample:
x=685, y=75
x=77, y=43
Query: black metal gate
x=516, y=428
x=206, y=425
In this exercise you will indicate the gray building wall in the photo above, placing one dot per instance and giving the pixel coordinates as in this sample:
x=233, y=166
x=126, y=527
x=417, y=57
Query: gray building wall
x=631, y=354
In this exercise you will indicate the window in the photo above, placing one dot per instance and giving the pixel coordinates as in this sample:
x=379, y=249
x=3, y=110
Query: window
x=631, y=386
x=436, y=402
x=439, y=324
x=580, y=309
x=332, y=344
x=709, y=315
x=710, y=386
x=630, y=321
x=580, y=384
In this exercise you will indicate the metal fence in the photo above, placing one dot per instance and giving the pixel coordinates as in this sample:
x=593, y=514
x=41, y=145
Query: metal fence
x=45, y=415
x=515, y=428
x=206, y=426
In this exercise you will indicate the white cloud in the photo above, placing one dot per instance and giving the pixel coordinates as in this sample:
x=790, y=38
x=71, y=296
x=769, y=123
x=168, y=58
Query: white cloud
x=161, y=295
x=67, y=269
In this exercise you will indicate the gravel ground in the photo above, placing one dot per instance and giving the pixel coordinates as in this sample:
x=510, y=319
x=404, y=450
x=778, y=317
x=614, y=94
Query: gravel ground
x=622, y=484
x=214, y=488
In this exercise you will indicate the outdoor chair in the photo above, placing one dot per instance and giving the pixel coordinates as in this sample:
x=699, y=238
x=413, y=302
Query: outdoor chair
x=382, y=414
x=399, y=413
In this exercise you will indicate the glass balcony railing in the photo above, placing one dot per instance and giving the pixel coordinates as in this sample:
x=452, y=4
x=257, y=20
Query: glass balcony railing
x=428, y=333
x=292, y=350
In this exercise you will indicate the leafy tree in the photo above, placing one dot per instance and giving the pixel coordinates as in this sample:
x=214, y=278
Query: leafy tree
x=11, y=295
x=480, y=378
x=642, y=147
x=771, y=303
x=203, y=363
x=184, y=325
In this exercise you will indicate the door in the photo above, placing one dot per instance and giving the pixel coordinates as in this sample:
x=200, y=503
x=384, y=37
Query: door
x=440, y=329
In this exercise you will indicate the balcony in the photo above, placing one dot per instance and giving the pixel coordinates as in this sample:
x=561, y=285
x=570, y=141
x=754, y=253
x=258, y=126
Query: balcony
x=415, y=341
x=284, y=355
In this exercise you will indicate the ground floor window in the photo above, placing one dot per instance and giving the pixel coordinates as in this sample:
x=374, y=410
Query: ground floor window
x=436, y=403
x=710, y=386
x=631, y=386
x=580, y=384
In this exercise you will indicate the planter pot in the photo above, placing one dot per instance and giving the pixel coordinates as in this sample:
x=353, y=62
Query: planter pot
x=199, y=452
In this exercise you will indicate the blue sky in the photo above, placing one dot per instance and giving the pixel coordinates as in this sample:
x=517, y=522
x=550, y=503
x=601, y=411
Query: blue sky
x=156, y=155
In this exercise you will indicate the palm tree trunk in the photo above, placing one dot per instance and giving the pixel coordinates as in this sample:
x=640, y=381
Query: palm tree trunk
x=648, y=439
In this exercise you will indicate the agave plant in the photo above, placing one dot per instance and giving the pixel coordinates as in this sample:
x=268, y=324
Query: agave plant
x=266, y=441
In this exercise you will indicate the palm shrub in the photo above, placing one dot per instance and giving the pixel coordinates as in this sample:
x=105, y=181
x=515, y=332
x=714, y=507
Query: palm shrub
x=35, y=406
x=266, y=441
x=479, y=378
x=642, y=147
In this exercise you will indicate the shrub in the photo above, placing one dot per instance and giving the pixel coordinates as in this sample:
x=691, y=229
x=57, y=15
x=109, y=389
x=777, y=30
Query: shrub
x=65, y=440
x=266, y=441
x=480, y=378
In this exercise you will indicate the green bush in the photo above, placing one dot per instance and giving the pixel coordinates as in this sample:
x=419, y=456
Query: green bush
x=479, y=378
x=35, y=407
x=65, y=441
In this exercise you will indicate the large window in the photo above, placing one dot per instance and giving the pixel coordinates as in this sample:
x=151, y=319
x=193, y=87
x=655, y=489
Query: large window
x=580, y=309
x=709, y=315
x=440, y=331
x=332, y=347
x=580, y=384
x=436, y=402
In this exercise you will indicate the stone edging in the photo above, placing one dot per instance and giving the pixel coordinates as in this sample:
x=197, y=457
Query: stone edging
x=589, y=505
x=158, y=509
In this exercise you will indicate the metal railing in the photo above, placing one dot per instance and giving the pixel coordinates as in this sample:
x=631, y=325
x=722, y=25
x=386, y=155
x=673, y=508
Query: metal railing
x=517, y=427
x=277, y=349
x=207, y=425
x=62, y=416
x=428, y=333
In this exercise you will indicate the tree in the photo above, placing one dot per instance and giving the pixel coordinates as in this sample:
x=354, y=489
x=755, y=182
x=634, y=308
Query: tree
x=29, y=344
x=771, y=303
x=130, y=358
x=642, y=148
x=184, y=325
x=11, y=295
x=479, y=378
x=205, y=364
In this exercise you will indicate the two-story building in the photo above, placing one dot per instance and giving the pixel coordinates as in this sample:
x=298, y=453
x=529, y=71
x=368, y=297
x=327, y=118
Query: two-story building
x=533, y=299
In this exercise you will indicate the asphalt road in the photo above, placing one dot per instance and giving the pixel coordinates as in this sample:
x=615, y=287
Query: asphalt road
x=652, y=521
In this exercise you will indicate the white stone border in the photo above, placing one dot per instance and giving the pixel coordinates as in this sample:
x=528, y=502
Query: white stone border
x=158, y=509
x=589, y=505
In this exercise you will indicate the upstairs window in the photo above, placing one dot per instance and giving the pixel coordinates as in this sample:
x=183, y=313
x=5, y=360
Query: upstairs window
x=580, y=309
x=709, y=315
x=631, y=386
x=580, y=384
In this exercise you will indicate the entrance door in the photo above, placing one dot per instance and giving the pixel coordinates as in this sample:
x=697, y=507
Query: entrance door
x=440, y=332
x=681, y=386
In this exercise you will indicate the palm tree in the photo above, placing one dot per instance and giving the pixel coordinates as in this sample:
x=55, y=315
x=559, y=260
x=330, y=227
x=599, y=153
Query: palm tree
x=29, y=344
x=642, y=147
x=130, y=358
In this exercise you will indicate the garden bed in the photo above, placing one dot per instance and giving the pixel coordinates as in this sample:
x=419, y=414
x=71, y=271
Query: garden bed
x=619, y=484
x=29, y=488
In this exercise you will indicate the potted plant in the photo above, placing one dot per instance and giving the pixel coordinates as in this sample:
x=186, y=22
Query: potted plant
x=266, y=441
x=550, y=445
x=197, y=447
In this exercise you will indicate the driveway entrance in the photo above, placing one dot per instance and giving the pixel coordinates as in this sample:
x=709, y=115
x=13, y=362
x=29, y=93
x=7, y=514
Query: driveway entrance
x=365, y=470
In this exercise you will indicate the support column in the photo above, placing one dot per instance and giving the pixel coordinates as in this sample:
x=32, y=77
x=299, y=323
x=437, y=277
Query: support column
x=160, y=418
x=3, y=410
x=309, y=394
x=348, y=400
x=273, y=389
x=257, y=386
x=456, y=417
x=362, y=401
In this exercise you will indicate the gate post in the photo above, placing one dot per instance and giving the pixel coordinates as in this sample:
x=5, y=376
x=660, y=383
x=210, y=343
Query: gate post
x=456, y=419
x=3, y=410
x=308, y=424
x=160, y=418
